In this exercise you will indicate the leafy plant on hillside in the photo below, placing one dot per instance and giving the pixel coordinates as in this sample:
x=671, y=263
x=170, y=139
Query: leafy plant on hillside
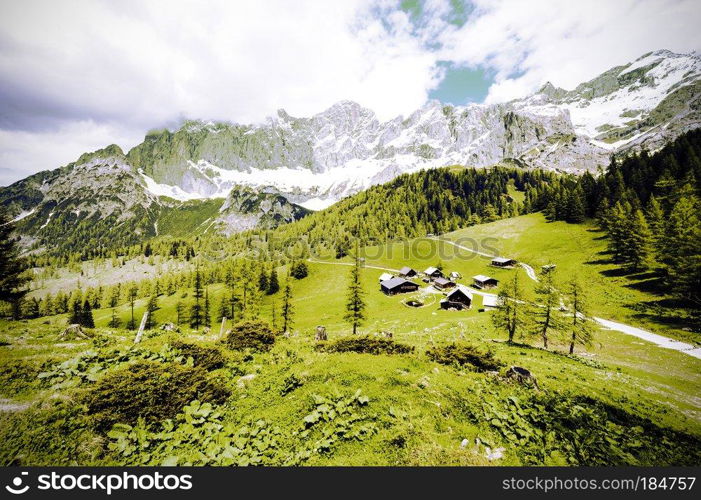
x=199, y=435
x=334, y=418
x=461, y=354
x=254, y=335
x=88, y=366
x=365, y=344
x=151, y=391
x=564, y=429
x=209, y=358
x=18, y=376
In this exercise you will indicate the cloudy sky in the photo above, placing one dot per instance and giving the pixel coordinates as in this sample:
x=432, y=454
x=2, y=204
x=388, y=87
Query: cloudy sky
x=76, y=75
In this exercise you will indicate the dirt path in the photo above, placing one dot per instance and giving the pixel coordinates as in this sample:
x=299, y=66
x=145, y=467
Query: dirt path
x=529, y=270
x=658, y=340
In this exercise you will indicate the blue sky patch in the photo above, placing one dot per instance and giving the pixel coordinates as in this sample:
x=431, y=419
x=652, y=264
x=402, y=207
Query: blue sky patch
x=462, y=85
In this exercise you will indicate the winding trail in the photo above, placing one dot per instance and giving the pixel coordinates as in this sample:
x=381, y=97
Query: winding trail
x=529, y=270
x=658, y=340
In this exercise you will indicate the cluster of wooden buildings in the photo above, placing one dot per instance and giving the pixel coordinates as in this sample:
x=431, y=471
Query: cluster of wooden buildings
x=457, y=296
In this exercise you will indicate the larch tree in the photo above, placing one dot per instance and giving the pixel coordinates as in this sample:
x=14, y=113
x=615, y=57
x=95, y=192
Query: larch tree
x=114, y=321
x=287, y=309
x=355, y=305
x=580, y=325
x=132, y=297
x=12, y=279
x=510, y=316
x=196, y=308
x=273, y=283
x=151, y=308
x=206, y=313
x=545, y=311
x=639, y=243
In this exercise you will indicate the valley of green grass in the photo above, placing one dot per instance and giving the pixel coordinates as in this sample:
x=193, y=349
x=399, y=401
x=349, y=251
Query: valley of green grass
x=621, y=400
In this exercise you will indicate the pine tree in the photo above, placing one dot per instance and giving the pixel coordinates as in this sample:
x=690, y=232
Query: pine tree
x=12, y=279
x=234, y=303
x=151, y=308
x=575, y=206
x=545, y=310
x=510, y=316
x=114, y=320
x=76, y=317
x=263, y=281
x=639, y=243
x=581, y=333
x=86, y=317
x=273, y=284
x=223, y=309
x=299, y=270
x=207, y=316
x=656, y=222
x=684, y=249
x=273, y=315
x=180, y=313
x=196, y=308
x=287, y=308
x=355, y=305
x=132, y=296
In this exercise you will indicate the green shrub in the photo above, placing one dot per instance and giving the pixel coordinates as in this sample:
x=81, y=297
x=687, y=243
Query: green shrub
x=150, y=390
x=365, y=344
x=209, y=358
x=464, y=354
x=254, y=335
x=54, y=433
x=17, y=377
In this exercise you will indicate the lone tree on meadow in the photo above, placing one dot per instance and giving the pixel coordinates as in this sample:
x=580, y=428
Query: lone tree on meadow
x=355, y=306
x=207, y=315
x=114, y=320
x=545, y=310
x=510, y=316
x=131, y=325
x=287, y=309
x=151, y=307
x=196, y=309
x=12, y=281
x=582, y=333
x=273, y=283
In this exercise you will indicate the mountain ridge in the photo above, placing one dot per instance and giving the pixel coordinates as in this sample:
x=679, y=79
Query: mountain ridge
x=286, y=165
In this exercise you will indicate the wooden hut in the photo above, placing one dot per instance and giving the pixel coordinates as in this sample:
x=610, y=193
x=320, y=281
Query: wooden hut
x=433, y=272
x=398, y=285
x=503, y=262
x=407, y=272
x=442, y=283
x=484, y=282
x=459, y=299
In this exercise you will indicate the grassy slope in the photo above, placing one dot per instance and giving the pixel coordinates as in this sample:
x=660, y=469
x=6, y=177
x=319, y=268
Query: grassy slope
x=656, y=383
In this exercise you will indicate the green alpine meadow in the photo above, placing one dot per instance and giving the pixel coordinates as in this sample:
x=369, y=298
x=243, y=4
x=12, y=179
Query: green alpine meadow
x=464, y=242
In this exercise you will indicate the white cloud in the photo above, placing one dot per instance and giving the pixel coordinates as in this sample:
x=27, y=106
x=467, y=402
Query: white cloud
x=567, y=43
x=23, y=153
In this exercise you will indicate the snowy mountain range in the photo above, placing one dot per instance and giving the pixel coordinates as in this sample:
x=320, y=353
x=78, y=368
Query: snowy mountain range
x=318, y=160
x=265, y=173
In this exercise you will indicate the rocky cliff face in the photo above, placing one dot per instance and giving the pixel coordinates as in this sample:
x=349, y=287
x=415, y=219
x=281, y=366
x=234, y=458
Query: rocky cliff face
x=316, y=161
x=246, y=208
